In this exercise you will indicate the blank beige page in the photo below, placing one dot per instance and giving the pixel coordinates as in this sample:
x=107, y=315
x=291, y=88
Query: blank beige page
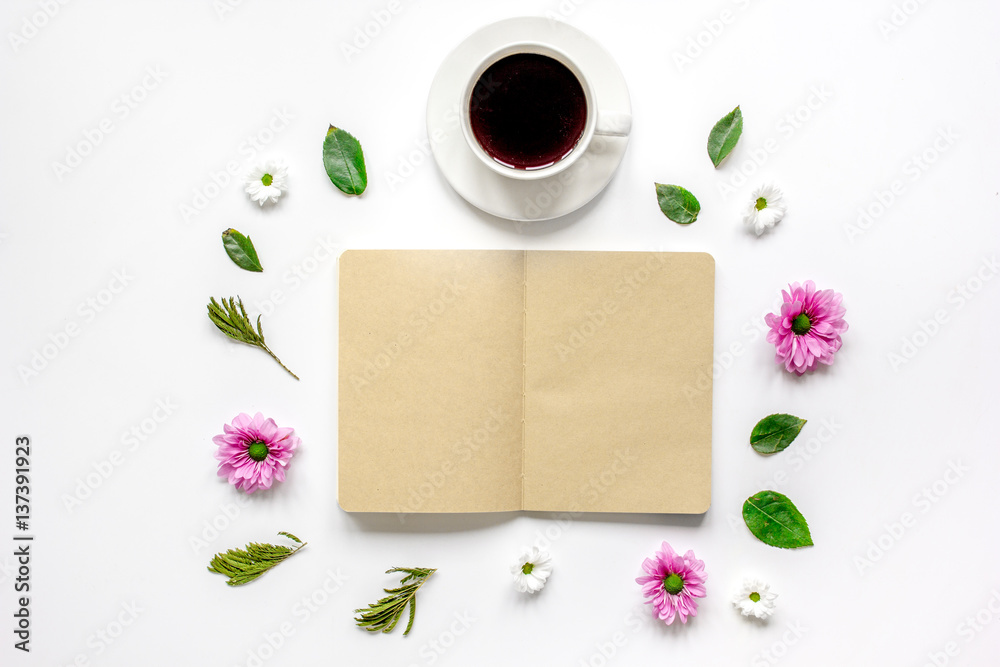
x=430, y=380
x=618, y=382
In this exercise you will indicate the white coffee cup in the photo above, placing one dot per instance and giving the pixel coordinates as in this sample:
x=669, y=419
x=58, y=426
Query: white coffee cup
x=597, y=123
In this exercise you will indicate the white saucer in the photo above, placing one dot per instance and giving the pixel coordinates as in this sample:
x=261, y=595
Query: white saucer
x=507, y=197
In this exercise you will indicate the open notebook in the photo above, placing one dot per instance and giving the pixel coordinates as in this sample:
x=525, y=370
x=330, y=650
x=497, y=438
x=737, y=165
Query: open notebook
x=501, y=380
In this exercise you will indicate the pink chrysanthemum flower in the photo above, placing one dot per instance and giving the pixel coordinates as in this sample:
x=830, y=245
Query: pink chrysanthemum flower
x=253, y=453
x=807, y=330
x=671, y=584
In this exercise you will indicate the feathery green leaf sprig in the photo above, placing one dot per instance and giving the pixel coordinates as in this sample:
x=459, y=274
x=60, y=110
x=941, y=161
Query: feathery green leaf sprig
x=382, y=616
x=231, y=318
x=244, y=565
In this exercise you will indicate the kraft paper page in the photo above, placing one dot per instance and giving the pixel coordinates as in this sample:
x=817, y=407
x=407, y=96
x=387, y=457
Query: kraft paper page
x=480, y=381
x=618, y=358
x=430, y=380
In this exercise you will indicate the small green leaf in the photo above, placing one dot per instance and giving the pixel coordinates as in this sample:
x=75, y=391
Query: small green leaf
x=723, y=137
x=774, y=433
x=240, y=249
x=344, y=161
x=677, y=203
x=774, y=520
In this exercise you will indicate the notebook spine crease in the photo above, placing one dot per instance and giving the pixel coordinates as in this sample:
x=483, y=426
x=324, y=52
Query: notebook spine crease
x=524, y=365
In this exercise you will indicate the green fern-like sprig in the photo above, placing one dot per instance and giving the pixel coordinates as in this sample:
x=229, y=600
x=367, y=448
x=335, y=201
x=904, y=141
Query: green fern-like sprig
x=382, y=616
x=231, y=318
x=244, y=565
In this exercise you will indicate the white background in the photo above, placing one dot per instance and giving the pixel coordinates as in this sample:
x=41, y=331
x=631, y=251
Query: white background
x=893, y=429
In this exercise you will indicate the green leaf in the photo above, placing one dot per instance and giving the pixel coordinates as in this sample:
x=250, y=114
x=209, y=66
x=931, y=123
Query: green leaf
x=723, y=137
x=382, y=616
x=344, y=161
x=677, y=203
x=240, y=249
x=774, y=520
x=244, y=565
x=774, y=433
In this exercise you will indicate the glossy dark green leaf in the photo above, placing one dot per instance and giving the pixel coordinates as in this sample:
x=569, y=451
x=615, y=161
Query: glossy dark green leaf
x=677, y=203
x=240, y=249
x=774, y=433
x=344, y=161
x=723, y=137
x=774, y=520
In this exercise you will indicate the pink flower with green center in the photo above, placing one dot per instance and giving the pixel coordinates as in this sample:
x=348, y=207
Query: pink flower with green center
x=807, y=330
x=253, y=453
x=671, y=584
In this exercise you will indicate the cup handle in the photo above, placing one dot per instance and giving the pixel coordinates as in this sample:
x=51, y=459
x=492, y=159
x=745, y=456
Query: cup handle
x=613, y=124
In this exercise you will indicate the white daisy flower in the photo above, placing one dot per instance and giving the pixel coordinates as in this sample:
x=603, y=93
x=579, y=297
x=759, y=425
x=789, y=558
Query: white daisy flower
x=755, y=599
x=531, y=570
x=765, y=209
x=266, y=181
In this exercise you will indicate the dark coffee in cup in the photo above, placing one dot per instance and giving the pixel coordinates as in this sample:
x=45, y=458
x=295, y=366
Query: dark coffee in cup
x=528, y=111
